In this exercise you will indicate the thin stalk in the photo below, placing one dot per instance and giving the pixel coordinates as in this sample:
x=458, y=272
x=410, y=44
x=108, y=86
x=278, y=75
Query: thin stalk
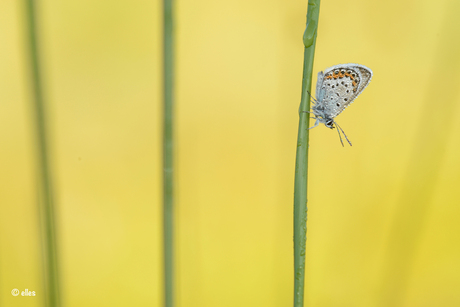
x=46, y=202
x=168, y=201
x=301, y=166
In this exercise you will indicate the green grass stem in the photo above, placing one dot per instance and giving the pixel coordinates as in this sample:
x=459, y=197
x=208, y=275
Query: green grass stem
x=301, y=166
x=46, y=200
x=168, y=142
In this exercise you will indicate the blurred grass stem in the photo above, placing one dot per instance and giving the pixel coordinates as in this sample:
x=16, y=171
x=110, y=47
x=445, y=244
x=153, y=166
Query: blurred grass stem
x=301, y=167
x=168, y=142
x=46, y=201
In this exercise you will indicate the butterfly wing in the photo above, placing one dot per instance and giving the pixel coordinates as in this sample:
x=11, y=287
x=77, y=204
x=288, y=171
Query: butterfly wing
x=340, y=85
x=319, y=83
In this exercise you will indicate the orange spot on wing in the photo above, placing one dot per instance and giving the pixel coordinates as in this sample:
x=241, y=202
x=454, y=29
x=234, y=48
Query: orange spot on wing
x=349, y=75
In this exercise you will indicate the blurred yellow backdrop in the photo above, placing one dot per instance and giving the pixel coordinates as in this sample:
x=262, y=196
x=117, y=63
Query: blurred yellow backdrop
x=383, y=224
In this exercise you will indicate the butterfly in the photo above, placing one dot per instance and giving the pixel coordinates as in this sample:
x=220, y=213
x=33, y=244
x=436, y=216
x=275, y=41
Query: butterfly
x=336, y=88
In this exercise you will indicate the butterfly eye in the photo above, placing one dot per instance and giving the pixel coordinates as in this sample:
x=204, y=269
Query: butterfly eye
x=329, y=124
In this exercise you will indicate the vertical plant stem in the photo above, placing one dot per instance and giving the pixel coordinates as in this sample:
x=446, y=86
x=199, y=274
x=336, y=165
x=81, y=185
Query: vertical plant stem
x=301, y=167
x=168, y=201
x=46, y=201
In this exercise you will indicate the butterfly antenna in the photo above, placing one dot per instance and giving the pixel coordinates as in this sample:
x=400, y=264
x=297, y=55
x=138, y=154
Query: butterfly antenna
x=340, y=137
x=343, y=134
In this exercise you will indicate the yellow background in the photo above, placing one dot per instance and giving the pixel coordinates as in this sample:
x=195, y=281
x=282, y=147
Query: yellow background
x=383, y=219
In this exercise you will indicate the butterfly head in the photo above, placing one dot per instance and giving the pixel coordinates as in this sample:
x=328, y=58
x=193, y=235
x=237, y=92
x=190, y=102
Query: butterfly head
x=329, y=123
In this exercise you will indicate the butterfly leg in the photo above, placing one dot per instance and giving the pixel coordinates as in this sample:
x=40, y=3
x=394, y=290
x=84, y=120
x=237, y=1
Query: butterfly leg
x=316, y=124
x=313, y=99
